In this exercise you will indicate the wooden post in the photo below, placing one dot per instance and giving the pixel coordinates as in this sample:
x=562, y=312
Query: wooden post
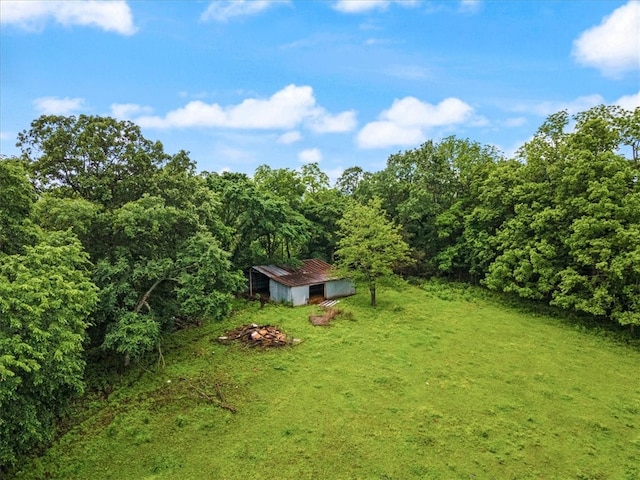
x=250, y=281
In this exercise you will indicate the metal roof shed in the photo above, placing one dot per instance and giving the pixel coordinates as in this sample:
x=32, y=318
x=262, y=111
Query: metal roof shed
x=297, y=286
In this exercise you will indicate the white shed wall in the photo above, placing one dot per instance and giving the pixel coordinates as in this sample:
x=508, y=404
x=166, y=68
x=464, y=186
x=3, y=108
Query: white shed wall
x=339, y=288
x=279, y=292
x=299, y=295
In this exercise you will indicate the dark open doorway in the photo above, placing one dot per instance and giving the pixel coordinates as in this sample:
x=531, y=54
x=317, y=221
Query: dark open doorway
x=316, y=290
x=258, y=284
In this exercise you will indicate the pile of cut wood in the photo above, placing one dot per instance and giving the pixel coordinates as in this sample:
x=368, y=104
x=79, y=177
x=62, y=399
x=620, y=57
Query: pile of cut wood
x=259, y=336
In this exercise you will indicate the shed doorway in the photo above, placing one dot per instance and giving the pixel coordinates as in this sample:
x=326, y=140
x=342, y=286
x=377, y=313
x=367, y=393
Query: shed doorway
x=259, y=284
x=316, y=293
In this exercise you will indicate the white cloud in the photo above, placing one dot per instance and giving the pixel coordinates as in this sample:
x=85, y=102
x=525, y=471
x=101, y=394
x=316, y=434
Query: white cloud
x=369, y=42
x=384, y=134
x=514, y=122
x=113, y=16
x=286, y=109
x=470, y=6
x=223, y=10
x=362, y=6
x=410, y=111
x=406, y=122
x=58, y=106
x=613, y=47
x=290, y=137
x=310, y=155
x=326, y=123
x=478, y=121
x=544, y=109
x=629, y=102
x=127, y=111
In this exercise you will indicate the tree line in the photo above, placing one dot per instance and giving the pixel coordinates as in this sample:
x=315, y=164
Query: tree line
x=559, y=223
x=107, y=242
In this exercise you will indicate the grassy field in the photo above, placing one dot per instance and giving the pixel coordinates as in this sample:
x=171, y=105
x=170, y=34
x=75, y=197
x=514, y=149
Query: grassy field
x=435, y=383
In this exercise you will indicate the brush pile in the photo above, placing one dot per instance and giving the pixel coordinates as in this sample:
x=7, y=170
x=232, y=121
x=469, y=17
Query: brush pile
x=259, y=336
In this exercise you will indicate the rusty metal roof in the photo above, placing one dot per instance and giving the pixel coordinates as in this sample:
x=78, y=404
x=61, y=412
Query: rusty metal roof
x=312, y=272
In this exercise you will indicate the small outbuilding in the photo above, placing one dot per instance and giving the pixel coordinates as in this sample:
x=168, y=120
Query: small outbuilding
x=314, y=279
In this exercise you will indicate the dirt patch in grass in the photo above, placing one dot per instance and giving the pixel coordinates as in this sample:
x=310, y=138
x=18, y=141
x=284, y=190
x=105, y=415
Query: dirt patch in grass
x=324, y=318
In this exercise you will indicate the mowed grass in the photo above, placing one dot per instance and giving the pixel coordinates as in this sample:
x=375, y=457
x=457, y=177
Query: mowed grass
x=435, y=383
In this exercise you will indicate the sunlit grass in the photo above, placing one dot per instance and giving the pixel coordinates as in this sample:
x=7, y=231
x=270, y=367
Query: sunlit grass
x=433, y=383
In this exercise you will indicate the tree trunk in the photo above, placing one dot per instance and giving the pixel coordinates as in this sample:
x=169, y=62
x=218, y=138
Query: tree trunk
x=373, y=296
x=145, y=297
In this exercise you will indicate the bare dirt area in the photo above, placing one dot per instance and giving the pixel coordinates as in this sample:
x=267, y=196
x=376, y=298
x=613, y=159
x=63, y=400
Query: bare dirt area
x=325, y=318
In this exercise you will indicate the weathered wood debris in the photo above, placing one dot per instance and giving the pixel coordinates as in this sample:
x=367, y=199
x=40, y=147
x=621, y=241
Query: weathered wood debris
x=256, y=335
x=324, y=319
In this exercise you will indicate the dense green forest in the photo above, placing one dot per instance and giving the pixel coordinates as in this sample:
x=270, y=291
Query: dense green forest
x=107, y=242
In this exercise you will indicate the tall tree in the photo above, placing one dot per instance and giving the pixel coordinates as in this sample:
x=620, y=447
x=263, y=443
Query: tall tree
x=264, y=225
x=530, y=246
x=323, y=209
x=573, y=237
x=601, y=195
x=100, y=159
x=314, y=179
x=140, y=213
x=429, y=190
x=163, y=264
x=370, y=247
x=461, y=234
x=349, y=181
x=16, y=202
x=45, y=298
x=283, y=183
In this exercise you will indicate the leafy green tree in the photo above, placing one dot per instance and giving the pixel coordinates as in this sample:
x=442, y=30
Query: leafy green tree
x=573, y=237
x=45, y=298
x=350, y=179
x=430, y=190
x=281, y=231
x=530, y=246
x=84, y=218
x=264, y=226
x=16, y=202
x=322, y=209
x=206, y=279
x=494, y=207
x=464, y=238
x=370, y=246
x=164, y=265
x=602, y=196
x=100, y=159
x=240, y=205
x=314, y=179
x=136, y=209
x=282, y=183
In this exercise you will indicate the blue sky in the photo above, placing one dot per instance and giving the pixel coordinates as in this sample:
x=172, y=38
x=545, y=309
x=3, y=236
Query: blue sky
x=342, y=83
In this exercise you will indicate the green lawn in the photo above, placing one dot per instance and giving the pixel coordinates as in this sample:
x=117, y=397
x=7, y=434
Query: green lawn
x=433, y=383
